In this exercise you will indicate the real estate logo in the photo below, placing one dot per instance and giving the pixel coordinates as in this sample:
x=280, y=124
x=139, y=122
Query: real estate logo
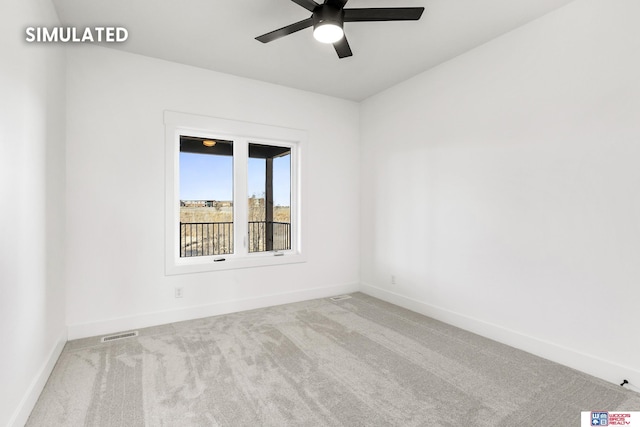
x=76, y=35
x=611, y=418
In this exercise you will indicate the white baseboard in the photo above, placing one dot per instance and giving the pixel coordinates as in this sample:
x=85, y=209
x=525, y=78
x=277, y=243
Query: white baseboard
x=84, y=330
x=583, y=362
x=22, y=412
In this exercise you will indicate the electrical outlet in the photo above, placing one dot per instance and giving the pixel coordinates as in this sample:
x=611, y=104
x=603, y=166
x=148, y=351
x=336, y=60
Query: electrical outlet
x=177, y=292
x=393, y=279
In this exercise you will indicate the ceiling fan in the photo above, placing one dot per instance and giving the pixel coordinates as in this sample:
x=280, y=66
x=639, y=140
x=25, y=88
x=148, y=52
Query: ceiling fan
x=329, y=17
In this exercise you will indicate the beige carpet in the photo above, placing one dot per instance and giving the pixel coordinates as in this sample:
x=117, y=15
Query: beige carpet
x=356, y=362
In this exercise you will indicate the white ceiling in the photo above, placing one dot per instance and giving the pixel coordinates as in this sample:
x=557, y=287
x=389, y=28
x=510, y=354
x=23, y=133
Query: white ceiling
x=219, y=35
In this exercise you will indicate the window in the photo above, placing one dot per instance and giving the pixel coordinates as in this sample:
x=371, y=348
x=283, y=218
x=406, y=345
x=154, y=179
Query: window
x=206, y=196
x=269, y=204
x=233, y=194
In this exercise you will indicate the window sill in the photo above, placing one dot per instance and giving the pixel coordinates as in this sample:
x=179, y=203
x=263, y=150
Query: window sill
x=209, y=263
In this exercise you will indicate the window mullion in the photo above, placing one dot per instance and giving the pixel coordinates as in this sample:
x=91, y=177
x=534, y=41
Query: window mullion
x=240, y=210
x=295, y=216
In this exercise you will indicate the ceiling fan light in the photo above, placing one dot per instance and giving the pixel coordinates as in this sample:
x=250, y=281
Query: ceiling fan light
x=328, y=32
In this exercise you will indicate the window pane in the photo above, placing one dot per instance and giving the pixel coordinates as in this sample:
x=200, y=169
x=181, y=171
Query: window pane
x=269, y=203
x=206, y=197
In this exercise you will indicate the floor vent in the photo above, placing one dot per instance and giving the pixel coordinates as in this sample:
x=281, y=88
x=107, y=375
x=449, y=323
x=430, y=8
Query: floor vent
x=340, y=297
x=119, y=336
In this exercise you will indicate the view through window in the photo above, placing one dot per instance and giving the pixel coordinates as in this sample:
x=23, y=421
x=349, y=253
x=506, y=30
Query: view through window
x=269, y=171
x=207, y=205
x=206, y=197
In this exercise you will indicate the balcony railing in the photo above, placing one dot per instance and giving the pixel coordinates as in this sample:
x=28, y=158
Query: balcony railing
x=216, y=238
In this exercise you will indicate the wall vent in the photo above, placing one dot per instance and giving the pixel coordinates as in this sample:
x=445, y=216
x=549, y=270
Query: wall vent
x=340, y=297
x=116, y=337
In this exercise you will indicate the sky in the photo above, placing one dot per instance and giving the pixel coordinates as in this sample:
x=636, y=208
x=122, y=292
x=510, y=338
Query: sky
x=207, y=177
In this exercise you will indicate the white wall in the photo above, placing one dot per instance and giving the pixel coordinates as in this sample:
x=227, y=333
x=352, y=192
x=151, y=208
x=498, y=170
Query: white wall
x=501, y=189
x=32, y=105
x=116, y=190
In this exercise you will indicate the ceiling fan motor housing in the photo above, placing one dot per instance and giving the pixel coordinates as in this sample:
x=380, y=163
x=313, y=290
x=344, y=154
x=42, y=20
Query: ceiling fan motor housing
x=327, y=14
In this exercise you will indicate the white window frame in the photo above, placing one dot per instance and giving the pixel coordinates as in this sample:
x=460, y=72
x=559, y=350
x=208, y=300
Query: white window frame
x=242, y=134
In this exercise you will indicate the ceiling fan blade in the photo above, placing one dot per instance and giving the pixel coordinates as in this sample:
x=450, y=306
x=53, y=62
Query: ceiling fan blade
x=285, y=31
x=310, y=5
x=342, y=47
x=336, y=3
x=383, y=14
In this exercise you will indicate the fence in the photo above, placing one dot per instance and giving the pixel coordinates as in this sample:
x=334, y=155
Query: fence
x=216, y=238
